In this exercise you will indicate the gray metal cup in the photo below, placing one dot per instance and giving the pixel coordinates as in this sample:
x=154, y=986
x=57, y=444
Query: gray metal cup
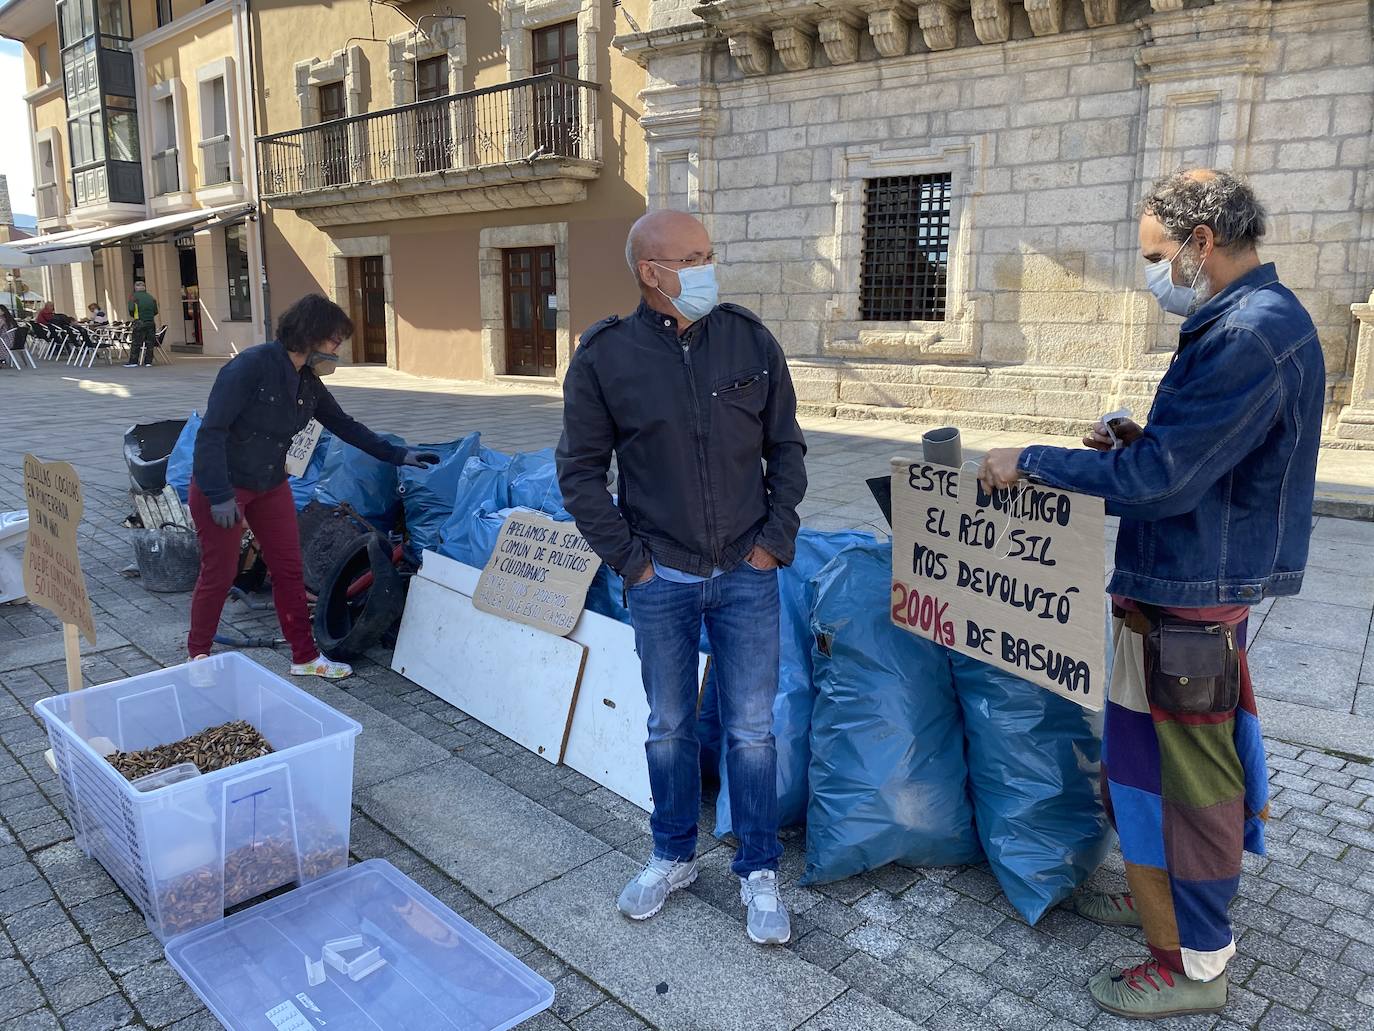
x=942, y=447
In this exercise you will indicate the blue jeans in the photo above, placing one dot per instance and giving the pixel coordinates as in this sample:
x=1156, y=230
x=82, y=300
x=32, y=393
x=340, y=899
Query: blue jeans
x=740, y=610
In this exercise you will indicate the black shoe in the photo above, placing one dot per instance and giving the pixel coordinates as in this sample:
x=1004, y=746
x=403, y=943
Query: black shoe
x=131, y=365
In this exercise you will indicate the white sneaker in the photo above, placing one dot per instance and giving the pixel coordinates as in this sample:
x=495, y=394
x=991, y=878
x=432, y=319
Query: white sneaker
x=768, y=922
x=202, y=672
x=645, y=894
x=321, y=666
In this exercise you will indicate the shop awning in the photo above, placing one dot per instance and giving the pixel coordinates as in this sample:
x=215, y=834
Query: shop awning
x=145, y=231
x=12, y=257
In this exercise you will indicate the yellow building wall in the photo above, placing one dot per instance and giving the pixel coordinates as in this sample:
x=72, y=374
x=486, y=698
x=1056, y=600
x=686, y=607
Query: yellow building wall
x=179, y=58
x=47, y=37
x=435, y=283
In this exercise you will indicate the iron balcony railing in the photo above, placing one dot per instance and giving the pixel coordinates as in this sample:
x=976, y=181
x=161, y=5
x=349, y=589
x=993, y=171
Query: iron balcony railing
x=214, y=160
x=49, y=198
x=166, y=174
x=542, y=116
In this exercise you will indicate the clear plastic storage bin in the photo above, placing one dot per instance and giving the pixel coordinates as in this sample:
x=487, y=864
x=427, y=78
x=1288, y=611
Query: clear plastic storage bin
x=363, y=949
x=187, y=851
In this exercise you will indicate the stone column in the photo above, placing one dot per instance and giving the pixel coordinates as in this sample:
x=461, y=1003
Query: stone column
x=1356, y=421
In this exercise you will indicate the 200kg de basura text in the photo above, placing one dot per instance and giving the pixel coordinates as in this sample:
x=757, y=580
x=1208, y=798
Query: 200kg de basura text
x=926, y=614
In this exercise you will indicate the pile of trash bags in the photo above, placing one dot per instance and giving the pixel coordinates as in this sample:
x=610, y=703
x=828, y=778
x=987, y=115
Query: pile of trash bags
x=891, y=748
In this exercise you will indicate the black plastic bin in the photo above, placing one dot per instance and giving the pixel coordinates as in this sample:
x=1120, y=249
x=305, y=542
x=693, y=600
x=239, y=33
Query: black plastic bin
x=147, y=447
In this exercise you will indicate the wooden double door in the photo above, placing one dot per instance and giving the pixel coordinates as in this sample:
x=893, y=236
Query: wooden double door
x=531, y=299
x=367, y=294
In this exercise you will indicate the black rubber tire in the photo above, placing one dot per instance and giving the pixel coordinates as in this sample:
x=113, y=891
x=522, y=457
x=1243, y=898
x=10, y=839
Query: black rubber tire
x=344, y=628
x=327, y=532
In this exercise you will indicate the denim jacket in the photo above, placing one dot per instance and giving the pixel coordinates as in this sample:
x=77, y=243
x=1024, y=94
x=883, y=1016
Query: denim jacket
x=1215, y=499
x=258, y=403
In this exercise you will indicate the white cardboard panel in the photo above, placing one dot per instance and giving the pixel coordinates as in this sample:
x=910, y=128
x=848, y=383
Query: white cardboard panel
x=517, y=680
x=450, y=573
x=606, y=742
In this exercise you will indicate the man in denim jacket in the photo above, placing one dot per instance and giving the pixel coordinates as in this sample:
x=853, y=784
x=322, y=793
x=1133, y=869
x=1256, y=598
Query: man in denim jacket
x=1215, y=499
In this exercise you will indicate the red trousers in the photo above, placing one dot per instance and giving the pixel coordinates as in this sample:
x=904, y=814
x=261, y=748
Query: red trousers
x=271, y=515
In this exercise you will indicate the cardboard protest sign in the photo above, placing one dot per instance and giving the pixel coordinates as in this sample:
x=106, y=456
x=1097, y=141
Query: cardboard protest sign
x=538, y=573
x=1013, y=579
x=302, y=447
x=52, y=567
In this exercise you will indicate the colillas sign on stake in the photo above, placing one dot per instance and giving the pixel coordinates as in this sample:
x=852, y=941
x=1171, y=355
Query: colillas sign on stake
x=1014, y=579
x=52, y=567
x=538, y=573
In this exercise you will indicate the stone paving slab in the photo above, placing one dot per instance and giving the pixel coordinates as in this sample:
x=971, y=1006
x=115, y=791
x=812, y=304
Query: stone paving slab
x=1304, y=673
x=49, y=647
x=688, y=967
x=494, y=840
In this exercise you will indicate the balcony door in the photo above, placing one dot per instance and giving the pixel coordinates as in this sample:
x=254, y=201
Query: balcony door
x=555, y=103
x=367, y=292
x=528, y=282
x=434, y=137
x=334, y=139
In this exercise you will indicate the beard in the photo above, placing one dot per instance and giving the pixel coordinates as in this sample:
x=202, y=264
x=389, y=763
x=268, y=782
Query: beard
x=1190, y=270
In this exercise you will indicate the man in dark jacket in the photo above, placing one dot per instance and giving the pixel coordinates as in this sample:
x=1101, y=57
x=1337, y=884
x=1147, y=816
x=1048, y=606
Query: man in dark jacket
x=143, y=312
x=695, y=401
x=1215, y=499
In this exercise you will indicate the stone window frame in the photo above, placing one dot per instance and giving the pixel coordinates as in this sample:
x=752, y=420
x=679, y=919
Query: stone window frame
x=491, y=242
x=337, y=253
x=954, y=337
x=173, y=90
x=54, y=137
x=442, y=38
x=519, y=19
x=223, y=68
x=344, y=66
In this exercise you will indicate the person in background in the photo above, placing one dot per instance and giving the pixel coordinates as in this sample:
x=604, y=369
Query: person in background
x=45, y=314
x=1215, y=499
x=96, y=316
x=143, y=311
x=694, y=400
x=261, y=399
x=7, y=319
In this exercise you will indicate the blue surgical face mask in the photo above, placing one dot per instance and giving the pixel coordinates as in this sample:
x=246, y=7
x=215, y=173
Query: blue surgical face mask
x=1173, y=298
x=699, y=292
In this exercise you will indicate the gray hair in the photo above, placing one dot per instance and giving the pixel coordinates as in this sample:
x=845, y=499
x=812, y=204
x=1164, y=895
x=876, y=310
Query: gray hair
x=1221, y=201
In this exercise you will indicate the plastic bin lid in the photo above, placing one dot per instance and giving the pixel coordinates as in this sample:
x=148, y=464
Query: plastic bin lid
x=289, y=964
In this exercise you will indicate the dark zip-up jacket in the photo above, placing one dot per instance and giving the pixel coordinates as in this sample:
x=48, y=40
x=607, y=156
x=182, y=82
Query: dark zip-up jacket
x=258, y=403
x=705, y=436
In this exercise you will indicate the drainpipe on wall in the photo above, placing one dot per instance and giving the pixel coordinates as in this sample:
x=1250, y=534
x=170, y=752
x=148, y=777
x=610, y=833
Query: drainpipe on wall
x=252, y=110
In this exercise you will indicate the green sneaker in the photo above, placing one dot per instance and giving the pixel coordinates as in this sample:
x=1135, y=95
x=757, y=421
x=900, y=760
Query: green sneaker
x=1151, y=992
x=1114, y=908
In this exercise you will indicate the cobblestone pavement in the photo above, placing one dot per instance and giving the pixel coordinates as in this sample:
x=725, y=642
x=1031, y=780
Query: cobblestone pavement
x=893, y=949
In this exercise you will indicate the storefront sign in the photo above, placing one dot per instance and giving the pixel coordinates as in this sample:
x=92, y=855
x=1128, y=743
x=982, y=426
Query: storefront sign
x=302, y=447
x=1013, y=579
x=52, y=567
x=538, y=573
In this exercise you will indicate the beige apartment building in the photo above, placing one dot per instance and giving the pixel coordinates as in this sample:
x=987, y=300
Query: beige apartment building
x=461, y=180
x=142, y=150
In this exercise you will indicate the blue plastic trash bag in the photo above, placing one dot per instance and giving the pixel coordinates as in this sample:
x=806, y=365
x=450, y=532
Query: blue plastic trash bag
x=427, y=495
x=482, y=478
x=605, y=596
x=888, y=780
x=303, y=486
x=1033, y=772
x=474, y=542
x=796, y=695
x=367, y=484
x=533, y=480
x=183, y=455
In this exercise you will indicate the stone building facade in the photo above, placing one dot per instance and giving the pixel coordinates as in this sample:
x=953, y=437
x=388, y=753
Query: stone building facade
x=789, y=124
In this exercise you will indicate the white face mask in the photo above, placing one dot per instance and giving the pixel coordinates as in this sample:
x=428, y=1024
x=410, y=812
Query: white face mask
x=1173, y=298
x=698, y=294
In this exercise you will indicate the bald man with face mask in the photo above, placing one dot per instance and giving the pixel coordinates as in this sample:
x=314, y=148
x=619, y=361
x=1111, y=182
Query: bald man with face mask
x=694, y=400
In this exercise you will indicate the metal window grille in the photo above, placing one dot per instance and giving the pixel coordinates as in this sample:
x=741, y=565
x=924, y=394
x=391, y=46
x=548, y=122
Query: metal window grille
x=906, y=248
